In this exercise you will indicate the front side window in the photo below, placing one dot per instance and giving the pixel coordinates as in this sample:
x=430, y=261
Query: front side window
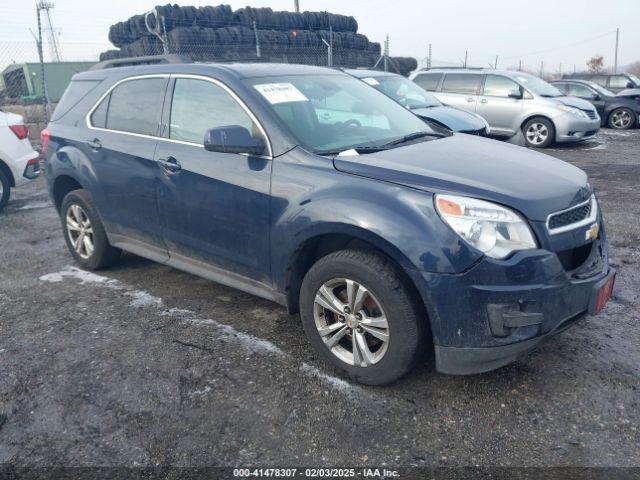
x=428, y=81
x=461, y=83
x=135, y=106
x=405, y=92
x=499, y=86
x=619, y=81
x=327, y=113
x=200, y=105
x=578, y=90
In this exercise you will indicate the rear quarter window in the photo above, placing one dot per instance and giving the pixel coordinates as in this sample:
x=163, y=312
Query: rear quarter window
x=428, y=81
x=135, y=105
x=76, y=91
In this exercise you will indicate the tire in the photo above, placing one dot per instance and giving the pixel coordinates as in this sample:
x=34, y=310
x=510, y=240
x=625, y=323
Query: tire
x=388, y=295
x=621, y=119
x=5, y=190
x=79, y=207
x=546, y=132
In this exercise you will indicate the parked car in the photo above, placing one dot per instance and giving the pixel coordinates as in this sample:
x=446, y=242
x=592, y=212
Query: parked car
x=305, y=186
x=512, y=102
x=614, y=82
x=423, y=103
x=617, y=112
x=18, y=160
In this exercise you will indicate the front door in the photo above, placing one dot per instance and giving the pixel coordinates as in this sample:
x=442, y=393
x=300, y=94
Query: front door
x=588, y=94
x=214, y=207
x=121, y=142
x=497, y=107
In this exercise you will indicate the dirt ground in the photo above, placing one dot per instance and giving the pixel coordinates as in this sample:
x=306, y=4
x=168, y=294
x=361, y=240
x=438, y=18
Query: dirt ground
x=142, y=364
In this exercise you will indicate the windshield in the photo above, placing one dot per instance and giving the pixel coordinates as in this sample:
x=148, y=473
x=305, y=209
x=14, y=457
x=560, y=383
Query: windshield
x=602, y=90
x=537, y=85
x=334, y=113
x=403, y=91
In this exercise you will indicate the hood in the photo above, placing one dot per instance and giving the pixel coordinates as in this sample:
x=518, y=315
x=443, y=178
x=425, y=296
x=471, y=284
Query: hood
x=575, y=102
x=452, y=118
x=629, y=92
x=531, y=182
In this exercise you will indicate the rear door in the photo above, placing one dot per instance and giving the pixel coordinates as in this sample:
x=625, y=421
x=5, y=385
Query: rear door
x=460, y=90
x=582, y=91
x=121, y=142
x=495, y=105
x=214, y=207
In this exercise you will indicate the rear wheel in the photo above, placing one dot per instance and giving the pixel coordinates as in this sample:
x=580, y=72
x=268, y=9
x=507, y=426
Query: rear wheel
x=539, y=132
x=5, y=189
x=621, y=119
x=84, y=232
x=359, y=315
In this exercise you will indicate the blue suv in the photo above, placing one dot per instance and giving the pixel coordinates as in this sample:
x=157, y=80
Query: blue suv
x=305, y=186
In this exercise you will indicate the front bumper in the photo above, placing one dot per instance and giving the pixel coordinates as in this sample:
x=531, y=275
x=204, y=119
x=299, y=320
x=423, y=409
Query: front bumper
x=498, y=310
x=570, y=128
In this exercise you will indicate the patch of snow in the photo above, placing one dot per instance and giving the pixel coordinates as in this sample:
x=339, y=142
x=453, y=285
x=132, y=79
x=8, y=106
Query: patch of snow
x=82, y=275
x=143, y=299
x=35, y=205
x=334, y=382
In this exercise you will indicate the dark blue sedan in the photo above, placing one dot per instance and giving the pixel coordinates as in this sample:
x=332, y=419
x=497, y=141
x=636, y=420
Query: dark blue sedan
x=423, y=103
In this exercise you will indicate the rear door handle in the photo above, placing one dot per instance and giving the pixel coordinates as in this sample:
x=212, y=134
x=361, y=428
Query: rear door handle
x=169, y=164
x=470, y=99
x=94, y=144
x=484, y=100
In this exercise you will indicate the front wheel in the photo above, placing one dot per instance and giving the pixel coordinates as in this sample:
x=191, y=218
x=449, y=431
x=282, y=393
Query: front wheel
x=359, y=314
x=539, y=132
x=621, y=119
x=5, y=190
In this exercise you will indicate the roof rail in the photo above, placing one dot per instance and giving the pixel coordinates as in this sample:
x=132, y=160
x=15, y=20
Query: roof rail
x=453, y=68
x=147, y=60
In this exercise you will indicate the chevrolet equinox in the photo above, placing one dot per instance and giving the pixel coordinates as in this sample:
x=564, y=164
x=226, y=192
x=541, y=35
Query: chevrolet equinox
x=306, y=186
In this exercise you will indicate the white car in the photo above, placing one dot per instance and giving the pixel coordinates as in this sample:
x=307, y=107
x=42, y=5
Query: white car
x=18, y=160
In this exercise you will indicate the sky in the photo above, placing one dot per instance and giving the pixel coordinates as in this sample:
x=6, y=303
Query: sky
x=563, y=34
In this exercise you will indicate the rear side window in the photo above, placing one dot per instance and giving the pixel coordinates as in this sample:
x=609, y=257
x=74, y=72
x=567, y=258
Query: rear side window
x=76, y=91
x=563, y=87
x=99, y=115
x=134, y=106
x=618, y=81
x=461, y=83
x=428, y=81
x=600, y=80
x=200, y=105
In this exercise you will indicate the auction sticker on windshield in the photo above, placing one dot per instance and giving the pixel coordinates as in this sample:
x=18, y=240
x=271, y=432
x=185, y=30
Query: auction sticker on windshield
x=280, y=93
x=371, y=81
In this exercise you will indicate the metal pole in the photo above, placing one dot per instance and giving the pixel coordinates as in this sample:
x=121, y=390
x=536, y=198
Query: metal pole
x=496, y=65
x=615, y=63
x=429, y=58
x=45, y=97
x=296, y=6
x=465, y=58
x=386, y=54
x=255, y=33
x=520, y=65
x=165, y=46
x=330, y=46
x=541, y=68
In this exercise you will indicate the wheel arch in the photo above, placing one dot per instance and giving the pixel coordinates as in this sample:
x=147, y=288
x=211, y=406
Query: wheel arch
x=61, y=186
x=7, y=171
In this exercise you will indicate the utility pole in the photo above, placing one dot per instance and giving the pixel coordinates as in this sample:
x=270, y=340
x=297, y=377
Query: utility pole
x=53, y=41
x=45, y=96
x=519, y=65
x=496, y=65
x=615, y=63
x=465, y=58
x=296, y=6
x=541, y=68
x=386, y=54
x=429, y=58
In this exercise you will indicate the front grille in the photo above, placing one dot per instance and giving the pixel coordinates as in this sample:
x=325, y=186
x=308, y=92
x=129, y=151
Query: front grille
x=568, y=217
x=574, y=257
x=591, y=113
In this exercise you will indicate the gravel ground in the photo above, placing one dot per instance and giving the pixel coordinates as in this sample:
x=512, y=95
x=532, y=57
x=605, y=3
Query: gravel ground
x=145, y=365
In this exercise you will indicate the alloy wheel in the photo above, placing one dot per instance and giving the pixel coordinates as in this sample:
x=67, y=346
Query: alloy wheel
x=351, y=322
x=80, y=231
x=621, y=119
x=537, y=133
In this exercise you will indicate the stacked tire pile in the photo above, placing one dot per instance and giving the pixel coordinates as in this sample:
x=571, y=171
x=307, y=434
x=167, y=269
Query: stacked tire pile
x=218, y=33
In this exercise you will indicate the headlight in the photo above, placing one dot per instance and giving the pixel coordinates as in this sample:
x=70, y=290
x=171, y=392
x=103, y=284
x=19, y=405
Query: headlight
x=486, y=124
x=573, y=110
x=494, y=230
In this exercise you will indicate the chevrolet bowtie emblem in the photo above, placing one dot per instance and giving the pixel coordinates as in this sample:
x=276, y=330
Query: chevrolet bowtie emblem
x=592, y=233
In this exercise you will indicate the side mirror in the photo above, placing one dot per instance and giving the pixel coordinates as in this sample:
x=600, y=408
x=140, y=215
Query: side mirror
x=233, y=139
x=517, y=94
x=596, y=97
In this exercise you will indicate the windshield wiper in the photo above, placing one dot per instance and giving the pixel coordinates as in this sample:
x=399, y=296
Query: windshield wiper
x=361, y=149
x=412, y=136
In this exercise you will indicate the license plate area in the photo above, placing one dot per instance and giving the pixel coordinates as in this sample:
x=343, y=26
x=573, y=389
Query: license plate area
x=602, y=293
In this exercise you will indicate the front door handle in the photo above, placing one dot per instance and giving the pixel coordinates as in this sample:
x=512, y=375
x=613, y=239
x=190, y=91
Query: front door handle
x=170, y=164
x=470, y=99
x=484, y=100
x=94, y=144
